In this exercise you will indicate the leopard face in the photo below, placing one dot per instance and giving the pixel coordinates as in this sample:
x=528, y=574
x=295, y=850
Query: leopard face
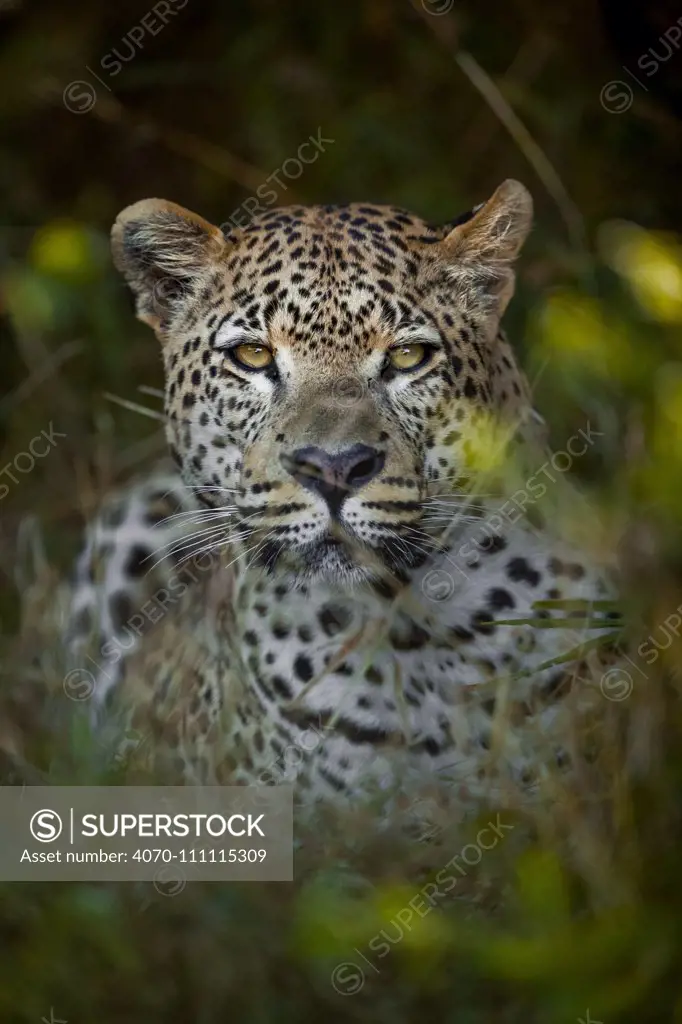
x=327, y=368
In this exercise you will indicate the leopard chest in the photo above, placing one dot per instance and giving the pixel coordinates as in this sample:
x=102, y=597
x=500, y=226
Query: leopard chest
x=350, y=692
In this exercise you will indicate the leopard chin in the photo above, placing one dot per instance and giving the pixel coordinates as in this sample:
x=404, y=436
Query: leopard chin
x=335, y=558
x=331, y=562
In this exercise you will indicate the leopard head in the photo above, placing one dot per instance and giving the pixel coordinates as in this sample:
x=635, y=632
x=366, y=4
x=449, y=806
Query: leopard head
x=327, y=367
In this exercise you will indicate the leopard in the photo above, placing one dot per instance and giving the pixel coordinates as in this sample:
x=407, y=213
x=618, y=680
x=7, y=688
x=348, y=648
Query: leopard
x=335, y=580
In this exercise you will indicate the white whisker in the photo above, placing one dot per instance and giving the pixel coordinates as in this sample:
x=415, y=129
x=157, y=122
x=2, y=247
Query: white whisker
x=201, y=515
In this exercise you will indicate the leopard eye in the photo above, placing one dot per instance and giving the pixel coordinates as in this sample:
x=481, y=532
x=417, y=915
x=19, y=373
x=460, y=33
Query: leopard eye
x=408, y=357
x=253, y=357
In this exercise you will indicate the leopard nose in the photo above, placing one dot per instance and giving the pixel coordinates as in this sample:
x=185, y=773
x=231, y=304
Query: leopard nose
x=334, y=475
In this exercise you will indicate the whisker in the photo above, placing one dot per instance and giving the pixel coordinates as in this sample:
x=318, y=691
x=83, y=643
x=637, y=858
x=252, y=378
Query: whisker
x=207, y=545
x=402, y=543
x=227, y=490
x=201, y=515
x=179, y=546
x=256, y=547
x=452, y=520
x=455, y=501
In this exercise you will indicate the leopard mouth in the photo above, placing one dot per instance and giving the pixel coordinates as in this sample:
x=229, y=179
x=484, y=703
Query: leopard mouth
x=336, y=550
x=338, y=556
x=335, y=557
x=327, y=552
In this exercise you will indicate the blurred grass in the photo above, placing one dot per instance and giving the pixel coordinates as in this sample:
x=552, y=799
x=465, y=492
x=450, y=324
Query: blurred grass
x=578, y=911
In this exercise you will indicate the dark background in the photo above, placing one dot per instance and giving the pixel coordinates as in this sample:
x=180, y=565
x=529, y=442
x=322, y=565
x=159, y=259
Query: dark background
x=430, y=105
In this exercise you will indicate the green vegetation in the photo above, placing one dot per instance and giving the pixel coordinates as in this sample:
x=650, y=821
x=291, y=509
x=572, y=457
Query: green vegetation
x=575, y=913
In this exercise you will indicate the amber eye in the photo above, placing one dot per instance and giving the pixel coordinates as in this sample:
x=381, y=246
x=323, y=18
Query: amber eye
x=408, y=357
x=254, y=357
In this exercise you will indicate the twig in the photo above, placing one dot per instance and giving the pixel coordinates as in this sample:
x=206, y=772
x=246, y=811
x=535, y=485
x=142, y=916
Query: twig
x=125, y=403
x=40, y=374
x=543, y=167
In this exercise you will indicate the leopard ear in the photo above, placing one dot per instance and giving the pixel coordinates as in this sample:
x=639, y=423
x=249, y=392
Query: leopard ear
x=160, y=248
x=482, y=249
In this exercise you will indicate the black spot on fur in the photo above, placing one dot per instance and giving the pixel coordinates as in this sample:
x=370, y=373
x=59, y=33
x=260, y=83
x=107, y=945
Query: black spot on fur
x=334, y=618
x=281, y=686
x=499, y=599
x=303, y=668
x=138, y=562
x=521, y=572
x=121, y=608
x=480, y=622
x=492, y=545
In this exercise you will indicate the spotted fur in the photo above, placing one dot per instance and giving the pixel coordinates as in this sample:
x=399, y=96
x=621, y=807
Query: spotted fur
x=340, y=597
